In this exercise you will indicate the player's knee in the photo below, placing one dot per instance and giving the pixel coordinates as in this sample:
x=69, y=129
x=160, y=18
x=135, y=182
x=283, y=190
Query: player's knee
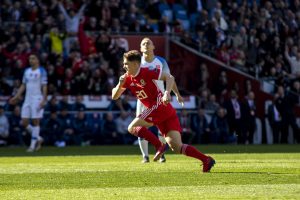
x=24, y=123
x=175, y=147
x=131, y=129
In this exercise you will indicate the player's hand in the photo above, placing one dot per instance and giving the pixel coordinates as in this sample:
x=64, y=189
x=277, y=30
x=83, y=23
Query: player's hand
x=42, y=104
x=166, y=98
x=180, y=99
x=122, y=80
x=13, y=100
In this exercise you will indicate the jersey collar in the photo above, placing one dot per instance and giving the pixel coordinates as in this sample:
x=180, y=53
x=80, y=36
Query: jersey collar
x=137, y=73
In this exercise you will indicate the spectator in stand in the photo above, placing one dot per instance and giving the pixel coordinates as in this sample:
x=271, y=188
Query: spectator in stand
x=121, y=104
x=221, y=86
x=204, y=76
x=219, y=19
x=52, y=104
x=122, y=123
x=237, y=57
x=4, y=87
x=95, y=123
x=249, y=118
x=81, y=129
x=194, y=6
x=212, y=105
x=111, y=80
x=200, y=126
x=86, y=41
x=56, y=38
x=16, y=130
x=186, y=124
x=285, y=104
x=52, y=129
x=96, y=83
x=219, y=128
x=275, y=120
x=4, y=127
x=64, y=104
x=202, y=100
x=68, y=82
x=78, y=105
x=247, y=86
x=72, y=24
x=294, y=63
x=82, y=79
x=294, y=96
x=109, y=130
x=222, y=53
x=234, y=116
x=66, y=122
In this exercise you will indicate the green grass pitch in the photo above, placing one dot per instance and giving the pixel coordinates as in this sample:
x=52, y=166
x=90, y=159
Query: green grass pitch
x=116, y=172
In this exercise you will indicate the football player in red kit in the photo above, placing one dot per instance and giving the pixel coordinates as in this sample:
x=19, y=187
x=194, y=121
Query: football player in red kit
x=159, y=112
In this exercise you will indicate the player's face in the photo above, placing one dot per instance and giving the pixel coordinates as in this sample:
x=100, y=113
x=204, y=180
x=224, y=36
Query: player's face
x=130, y=67
x=33, y=61
x=147, y=46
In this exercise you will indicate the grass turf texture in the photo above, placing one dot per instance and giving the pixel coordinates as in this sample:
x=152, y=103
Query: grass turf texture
x=115, y=172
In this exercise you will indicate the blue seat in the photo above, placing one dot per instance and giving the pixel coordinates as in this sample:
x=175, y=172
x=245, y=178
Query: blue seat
x=163, y=6
x=176, y=7
x=193, y=20
x=181, y=15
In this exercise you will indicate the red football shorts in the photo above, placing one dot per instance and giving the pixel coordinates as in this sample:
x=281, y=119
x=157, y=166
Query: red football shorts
x=164, y=117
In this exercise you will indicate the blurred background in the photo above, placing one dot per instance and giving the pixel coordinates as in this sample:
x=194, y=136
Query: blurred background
x=237, y=63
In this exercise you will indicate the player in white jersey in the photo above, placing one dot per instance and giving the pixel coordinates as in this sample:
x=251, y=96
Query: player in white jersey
x=150, y=60
x=35, y=83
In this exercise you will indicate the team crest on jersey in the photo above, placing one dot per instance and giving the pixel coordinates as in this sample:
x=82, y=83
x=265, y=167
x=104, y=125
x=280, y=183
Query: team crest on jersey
x=143, y=83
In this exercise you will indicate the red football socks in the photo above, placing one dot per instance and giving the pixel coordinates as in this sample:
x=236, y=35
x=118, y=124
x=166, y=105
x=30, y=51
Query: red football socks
x=191, y=151
x=148, y=135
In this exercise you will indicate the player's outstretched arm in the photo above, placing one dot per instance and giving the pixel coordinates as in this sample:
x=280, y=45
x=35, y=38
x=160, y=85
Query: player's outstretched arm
x=45, y=93
x=17, y=96
x=118, y=90
x=169, y=79
x=177, y=93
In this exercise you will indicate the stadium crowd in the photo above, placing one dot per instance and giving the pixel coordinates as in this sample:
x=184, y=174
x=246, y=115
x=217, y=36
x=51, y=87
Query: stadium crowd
x=73, y=40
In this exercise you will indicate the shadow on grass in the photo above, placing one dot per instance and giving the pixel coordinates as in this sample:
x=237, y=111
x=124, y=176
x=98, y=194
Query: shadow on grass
x=134, y=150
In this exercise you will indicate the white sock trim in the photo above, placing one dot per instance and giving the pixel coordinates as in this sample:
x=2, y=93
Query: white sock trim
x=144, y=147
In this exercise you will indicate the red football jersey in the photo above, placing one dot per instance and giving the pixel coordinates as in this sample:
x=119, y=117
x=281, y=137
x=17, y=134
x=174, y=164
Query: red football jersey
x=144, y=87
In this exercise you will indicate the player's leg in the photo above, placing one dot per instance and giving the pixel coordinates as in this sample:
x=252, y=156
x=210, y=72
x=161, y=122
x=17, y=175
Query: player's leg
x=36, y=134
x=37, y=114
x=163, y=140
x=173, y=138
x=142, y=142
x=144, y=149
x=25, y=115
x=139, y=128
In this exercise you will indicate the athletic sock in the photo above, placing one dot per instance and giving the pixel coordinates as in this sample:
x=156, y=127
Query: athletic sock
x=29, y=128
x=191, y=151
x=148, y=135
x=144, y=146
x=161, y=138
x=34, y=136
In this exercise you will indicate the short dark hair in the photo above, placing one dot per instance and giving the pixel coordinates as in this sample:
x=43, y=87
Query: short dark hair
x=35, y=55
x=132, y=56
